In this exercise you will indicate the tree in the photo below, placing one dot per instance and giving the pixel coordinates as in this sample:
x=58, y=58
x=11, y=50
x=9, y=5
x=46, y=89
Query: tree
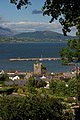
x=32, y=107
x=20, y=3
x=72, y=52
x=74, y=45
x=41, y=83
x=66, y=11
x=31, y=84
x=4, y=77
x=59, y=88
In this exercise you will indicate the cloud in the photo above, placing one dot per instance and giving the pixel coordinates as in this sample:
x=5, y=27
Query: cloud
x=27, y=26
x=3, y=22
x=37, y=12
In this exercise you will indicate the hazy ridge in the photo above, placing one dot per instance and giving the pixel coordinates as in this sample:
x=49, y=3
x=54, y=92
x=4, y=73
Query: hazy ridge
x=7, y=35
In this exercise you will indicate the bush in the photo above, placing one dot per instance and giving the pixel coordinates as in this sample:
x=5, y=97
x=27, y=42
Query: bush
x=31, y=107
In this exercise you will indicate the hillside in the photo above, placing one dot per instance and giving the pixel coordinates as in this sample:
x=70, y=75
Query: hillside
x=7, y=35
x=45, y=35
x=5, y=32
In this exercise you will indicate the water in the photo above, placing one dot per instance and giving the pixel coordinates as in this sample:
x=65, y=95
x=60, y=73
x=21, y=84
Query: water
x=31, y=50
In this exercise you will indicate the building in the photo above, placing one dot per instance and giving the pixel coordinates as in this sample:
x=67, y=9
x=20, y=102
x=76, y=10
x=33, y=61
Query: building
x=37, y=68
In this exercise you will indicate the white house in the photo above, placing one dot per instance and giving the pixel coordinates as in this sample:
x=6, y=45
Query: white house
x=14, y=78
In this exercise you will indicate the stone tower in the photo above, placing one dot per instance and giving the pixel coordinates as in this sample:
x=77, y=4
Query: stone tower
x=37, y=68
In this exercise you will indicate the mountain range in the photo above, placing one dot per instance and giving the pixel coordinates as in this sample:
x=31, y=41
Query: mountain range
x=39, y=35
x=6, y=32
x=44, y=35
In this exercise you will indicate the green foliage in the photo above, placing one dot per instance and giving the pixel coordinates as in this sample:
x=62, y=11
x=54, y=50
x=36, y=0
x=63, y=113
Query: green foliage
x=41, y=105
x=43, y=67
x=72, y=52
x=20, y=91
x=10, y=108
x=21, y=76
x=66, y=55
x=31, y=107
x=41, y=83
x=66, y=11
x=1, y=82
x=74, y=45
x=72, y=87
x=31, y=82
x=53, y=85
x=58, y=88
x=20, y=3
x=6, y=90
x=4, y=77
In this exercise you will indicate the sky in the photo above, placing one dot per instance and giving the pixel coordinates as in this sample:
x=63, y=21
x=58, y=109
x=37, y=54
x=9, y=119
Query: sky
x=27, y=20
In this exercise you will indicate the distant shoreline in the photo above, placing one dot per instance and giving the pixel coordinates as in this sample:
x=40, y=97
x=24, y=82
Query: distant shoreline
x=21, y=42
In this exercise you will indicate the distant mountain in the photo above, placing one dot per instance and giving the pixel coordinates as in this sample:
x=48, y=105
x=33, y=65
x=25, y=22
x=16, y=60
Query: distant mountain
x=45, y=35
x=5, y=32
x=37, y=36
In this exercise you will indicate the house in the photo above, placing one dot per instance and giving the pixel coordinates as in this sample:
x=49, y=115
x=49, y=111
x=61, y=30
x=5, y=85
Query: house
x=43, y=77
x=14, y=78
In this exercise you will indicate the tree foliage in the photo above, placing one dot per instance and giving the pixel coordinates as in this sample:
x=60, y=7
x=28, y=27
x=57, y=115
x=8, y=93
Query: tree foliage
x=72, y=52
x=20, y=3
x=58, y=88
x=31, y=84
x=31, y=107
x=4, y=77
x=66, y=11
x=40, y=83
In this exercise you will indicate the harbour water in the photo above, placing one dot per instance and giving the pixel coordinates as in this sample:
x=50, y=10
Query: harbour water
x=31, y=50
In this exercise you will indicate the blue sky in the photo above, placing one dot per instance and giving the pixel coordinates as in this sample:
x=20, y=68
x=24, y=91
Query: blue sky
x=26, y=20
